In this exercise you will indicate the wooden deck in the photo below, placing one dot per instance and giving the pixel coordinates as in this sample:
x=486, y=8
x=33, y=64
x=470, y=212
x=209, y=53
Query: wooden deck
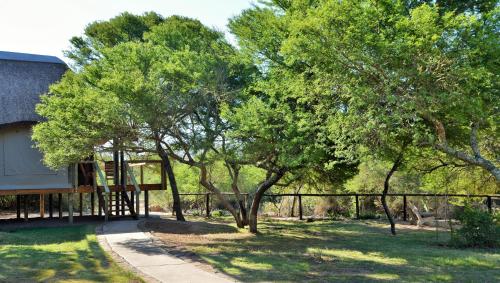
x=80, y=189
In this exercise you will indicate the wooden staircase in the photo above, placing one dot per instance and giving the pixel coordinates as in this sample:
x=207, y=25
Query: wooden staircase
x=119, y=200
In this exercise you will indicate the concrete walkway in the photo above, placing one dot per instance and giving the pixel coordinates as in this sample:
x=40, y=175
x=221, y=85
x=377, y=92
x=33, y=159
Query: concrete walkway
x=147, y=256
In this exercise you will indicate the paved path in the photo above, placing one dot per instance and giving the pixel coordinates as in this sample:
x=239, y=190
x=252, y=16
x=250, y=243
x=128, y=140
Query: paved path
x=144, y=253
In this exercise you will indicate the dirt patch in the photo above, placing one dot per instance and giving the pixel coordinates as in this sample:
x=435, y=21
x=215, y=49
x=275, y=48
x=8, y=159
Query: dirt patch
x=185, y=233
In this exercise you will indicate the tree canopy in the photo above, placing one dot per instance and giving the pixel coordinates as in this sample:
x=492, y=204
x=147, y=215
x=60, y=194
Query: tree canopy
x=313, y=88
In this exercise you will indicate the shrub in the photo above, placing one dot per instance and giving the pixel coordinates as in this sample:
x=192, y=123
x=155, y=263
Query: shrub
x=368, y=215
x=219, y=213
x=478, y=229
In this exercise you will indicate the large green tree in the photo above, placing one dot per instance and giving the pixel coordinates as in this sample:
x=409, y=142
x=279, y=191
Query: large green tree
x=386, y=78
x=150, y=87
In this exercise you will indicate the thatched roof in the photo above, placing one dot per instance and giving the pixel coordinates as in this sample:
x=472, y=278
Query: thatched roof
x=23, y=78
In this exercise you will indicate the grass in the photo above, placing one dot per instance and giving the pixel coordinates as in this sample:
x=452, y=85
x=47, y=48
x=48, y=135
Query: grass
x=65, y=254
x=326, y=251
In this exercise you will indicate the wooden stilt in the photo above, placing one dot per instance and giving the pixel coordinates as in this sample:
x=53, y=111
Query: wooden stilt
x=132, y=198
x=116, y=163
x=25, y=207
x=70, y=208
x=122, y=203
x=117, y=201
x=142, y=175
x=51, y=206
x=59, y=205
x=92, y=204
x=18, y=206
x=42, y=205
x=80, y=208
x=137, y=204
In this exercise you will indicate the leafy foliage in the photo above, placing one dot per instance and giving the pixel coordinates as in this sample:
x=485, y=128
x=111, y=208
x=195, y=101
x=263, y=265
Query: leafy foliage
x=479, y=229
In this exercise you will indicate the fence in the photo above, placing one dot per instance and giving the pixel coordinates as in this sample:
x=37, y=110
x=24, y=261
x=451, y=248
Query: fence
x=488, y=199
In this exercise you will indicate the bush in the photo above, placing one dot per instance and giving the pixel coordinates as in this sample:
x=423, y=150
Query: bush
x=219, y=213
x=368, y=215
x=479, y=229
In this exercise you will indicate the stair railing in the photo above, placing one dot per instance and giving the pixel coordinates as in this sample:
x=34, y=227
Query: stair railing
x=130, y=173
x=107, y=191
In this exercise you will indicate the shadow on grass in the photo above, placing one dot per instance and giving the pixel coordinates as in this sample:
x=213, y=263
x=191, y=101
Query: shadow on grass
x=345, y=251
x=52, y=254
x=188, y=227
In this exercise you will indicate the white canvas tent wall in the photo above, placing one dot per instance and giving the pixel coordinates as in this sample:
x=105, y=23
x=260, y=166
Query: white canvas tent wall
x=23, y=78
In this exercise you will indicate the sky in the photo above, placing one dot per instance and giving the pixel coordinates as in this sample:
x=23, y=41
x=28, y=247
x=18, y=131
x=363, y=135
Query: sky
x=45, y=26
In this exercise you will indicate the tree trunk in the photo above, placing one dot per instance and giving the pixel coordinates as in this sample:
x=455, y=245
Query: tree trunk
x=395, y=166
x=210, y=187
x=173, y=184
x=252, y=218
x=234, y=186
x=294, y=200
x=263, y=187
x=244, y=213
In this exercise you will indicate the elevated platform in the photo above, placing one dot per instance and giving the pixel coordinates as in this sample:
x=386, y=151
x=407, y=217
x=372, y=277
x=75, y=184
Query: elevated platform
x=80, y=189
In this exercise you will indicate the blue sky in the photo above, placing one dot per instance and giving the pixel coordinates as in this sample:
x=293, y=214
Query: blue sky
x=45, y=26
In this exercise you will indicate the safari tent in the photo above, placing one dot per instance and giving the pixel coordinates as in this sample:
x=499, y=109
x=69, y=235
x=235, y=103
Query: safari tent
x=23, y=79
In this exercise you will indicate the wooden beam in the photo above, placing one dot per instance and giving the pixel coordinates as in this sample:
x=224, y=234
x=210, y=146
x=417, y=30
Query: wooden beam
x=70, y=208
x=42, y=205
x=92, y=204
x=80, y=189
x=132, y=199
x=80, y=208
x=18, y=207
x=59, y=205
x=25, y=207
x=51, y=206
x=34, y=191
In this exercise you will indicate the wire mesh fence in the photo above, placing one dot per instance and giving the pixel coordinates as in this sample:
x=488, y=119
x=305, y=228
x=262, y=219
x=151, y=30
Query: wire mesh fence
x=421, y=209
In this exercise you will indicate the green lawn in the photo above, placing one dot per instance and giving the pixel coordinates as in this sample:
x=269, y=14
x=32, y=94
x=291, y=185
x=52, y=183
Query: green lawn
x=67, y=254
x=355, y=251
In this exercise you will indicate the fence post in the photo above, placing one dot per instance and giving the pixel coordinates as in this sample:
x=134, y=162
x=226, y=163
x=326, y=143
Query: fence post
x=300, y=207
x=357, y=206
x=405, y=218
x=489, y=203
x=146, y=203
x=207, y=204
